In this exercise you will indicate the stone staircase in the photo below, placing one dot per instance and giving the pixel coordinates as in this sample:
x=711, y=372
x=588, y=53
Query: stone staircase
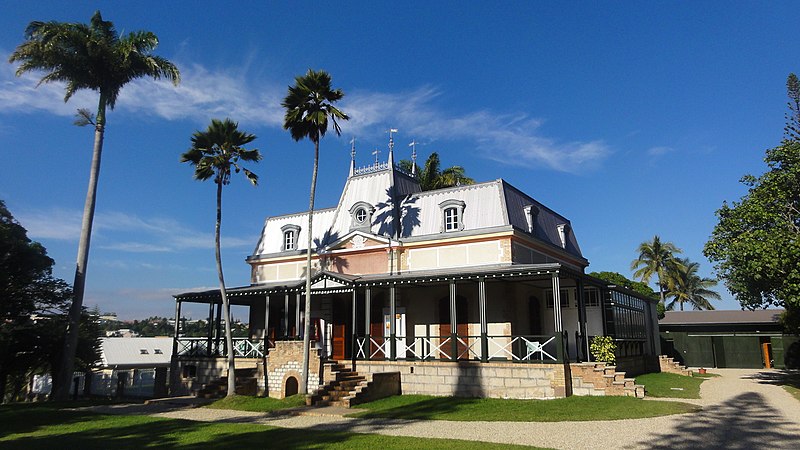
x=668, y=364
x=597, y=378
x=246, y=384
x=344, y=390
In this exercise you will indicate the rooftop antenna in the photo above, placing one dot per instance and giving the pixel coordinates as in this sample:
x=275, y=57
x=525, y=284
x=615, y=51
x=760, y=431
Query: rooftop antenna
x=413, y=146
x=391, y=145
x=353, y=156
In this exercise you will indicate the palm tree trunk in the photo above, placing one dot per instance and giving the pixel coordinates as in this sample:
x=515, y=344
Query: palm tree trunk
x=226, y=307
x=64, y=377
x=307, y=322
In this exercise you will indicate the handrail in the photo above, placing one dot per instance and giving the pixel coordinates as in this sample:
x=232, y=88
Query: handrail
x=514, y=348
x=205, y=347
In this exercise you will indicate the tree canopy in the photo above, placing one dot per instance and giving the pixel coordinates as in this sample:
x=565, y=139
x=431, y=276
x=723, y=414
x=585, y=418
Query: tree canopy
x=685, y=286
x=217, y=152
x=655, y=258
x=755, y=246
x=92, y=57
x=309, y=107
x=432, y=176
x=33, y=307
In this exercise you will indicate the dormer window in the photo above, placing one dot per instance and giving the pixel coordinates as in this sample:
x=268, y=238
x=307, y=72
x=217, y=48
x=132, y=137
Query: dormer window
x=563, y=233
x=361, y=216
x=290, y=235
x=531, y=216
x=452, y=215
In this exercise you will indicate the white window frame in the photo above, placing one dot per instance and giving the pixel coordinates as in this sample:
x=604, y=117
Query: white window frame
x=452, y=215
x=291, y=234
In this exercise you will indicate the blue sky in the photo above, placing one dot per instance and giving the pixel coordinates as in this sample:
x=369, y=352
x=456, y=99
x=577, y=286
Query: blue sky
x=630, y=118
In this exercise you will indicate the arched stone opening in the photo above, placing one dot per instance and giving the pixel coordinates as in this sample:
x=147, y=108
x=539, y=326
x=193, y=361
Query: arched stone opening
x=290, y=387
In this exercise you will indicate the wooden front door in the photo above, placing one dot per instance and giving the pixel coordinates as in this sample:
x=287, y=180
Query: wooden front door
x=338, y=342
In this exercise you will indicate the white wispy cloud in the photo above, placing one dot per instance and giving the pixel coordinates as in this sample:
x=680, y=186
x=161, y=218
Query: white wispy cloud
x=154, y=235
x=509, y=137
x=658, y=151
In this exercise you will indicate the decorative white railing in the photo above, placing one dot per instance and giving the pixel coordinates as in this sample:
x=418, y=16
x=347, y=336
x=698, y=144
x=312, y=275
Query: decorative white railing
x=204, y=347
x=508, y=348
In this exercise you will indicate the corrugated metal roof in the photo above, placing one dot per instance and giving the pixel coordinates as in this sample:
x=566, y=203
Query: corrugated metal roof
x=143, y=352
x=395, y=195
x=720, y=317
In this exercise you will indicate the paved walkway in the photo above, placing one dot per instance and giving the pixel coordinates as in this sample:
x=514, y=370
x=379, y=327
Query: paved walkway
x=742, y=409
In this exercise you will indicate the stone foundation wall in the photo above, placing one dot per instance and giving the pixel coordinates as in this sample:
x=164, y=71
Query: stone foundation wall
x=206, y=371
x=286, y=360
x=474, y=379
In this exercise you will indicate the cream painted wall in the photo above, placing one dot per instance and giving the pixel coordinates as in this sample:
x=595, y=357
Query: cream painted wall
x=456, y=255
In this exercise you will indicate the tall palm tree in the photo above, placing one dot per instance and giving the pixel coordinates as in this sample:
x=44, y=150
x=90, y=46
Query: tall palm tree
x=309, y=105
x=433, y=177
x=655, y=258
x=91, y=57
x=685, y=286
x=214, y=153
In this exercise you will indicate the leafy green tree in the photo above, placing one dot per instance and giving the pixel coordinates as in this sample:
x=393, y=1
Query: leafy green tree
x=33, y=307
x=620, y=280
x=309, y=106
x=791, y=131
x=433, y=177
x=655, y=258
x=90, y=57
x=755, y=246
x=216, y=153
x=686, y=286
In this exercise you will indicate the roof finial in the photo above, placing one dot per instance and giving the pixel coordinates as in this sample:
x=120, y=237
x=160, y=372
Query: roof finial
x=391, y=145
x=376, y=152
x=413, y=146
x=353, y=156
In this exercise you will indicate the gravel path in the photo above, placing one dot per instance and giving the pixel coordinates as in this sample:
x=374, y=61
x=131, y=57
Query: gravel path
x=742, y=409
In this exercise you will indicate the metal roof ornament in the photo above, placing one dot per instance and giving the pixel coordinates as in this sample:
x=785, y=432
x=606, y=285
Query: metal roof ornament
x=413, y=146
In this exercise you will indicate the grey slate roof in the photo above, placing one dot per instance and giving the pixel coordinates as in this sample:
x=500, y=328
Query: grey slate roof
x=720, y=317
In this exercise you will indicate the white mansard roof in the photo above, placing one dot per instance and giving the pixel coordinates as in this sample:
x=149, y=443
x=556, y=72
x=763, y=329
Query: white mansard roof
x=402, y=212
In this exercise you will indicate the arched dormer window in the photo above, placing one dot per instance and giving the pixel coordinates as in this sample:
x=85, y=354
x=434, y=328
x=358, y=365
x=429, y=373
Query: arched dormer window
x=361, y=216
x=290, y=235
x=452, y=215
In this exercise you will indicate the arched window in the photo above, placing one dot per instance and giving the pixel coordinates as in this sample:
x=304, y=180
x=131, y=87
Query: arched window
x=361, y=216
x=290, y=235
x=452, y=215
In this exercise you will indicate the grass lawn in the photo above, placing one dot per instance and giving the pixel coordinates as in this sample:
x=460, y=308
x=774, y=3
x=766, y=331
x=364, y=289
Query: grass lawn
x=795, y=391
x=257, y=404
x=491, y=409
x=671, y=385
x=33, y=427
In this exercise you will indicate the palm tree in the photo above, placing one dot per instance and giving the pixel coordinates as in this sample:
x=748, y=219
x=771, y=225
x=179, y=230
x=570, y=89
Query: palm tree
x=685, y=286
x=214, y=153
x=88, y=57
x=309, y=105
x=655, y=258
x=433, y=177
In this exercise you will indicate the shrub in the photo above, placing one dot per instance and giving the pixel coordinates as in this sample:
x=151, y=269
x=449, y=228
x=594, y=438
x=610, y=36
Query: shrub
x=603, y=349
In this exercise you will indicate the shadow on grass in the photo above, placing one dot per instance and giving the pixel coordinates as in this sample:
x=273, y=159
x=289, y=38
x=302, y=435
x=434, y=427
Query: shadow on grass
x=744, y=422
x=410, y=408
x=84, y=430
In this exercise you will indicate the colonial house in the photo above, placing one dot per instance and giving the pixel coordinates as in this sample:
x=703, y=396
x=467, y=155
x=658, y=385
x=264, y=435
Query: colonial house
x=475, y=290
